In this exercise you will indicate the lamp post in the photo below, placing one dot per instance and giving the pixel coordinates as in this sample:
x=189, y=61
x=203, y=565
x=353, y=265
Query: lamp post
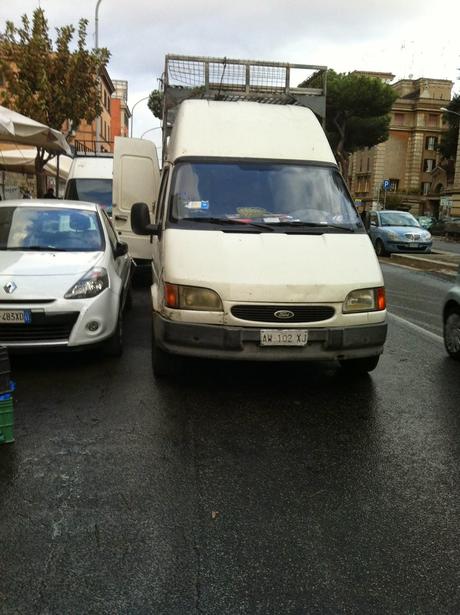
x=149, y=130
x=456, y=184
x=132, y=112
x=96, y=44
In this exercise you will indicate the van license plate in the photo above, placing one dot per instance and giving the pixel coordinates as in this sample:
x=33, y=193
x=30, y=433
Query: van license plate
x=13, y=317
x=283, y=337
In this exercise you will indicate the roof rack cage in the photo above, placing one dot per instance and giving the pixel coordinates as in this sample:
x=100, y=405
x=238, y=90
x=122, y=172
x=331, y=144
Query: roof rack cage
x=235, y=80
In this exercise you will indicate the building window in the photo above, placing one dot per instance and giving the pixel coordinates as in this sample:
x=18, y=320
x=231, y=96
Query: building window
x=425, y=187
x=399, y=119
x=428, y=165
x=433, y=120
x=368, y=164
x=394, y=185
x=431, y=143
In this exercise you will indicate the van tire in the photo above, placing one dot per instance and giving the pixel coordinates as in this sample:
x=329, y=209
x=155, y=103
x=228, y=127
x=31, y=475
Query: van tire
x=360, y=366
x=164, y=364
x=113, y=347
x=380, y=248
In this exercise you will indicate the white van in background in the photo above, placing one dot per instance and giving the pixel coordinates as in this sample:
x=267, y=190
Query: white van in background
x=116, y=181
x=258, y=250
x=90, y=179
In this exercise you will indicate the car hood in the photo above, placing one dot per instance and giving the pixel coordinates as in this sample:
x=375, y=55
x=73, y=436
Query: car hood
x=27, y=263
x=271, y=267
x=402, y=230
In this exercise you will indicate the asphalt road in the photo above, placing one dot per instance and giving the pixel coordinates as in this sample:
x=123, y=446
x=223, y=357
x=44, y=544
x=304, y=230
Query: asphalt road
x=446, y=245
x=238, y=488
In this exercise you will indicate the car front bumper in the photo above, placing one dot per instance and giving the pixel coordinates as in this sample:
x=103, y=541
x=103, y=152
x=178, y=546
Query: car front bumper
x=243, y=343
x=408, y=247
x=63, y=323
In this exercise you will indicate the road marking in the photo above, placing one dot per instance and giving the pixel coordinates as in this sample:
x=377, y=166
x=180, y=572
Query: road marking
x=411, y=325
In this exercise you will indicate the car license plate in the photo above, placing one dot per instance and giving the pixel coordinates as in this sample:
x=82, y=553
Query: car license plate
x=13, y=317
x=283, y=337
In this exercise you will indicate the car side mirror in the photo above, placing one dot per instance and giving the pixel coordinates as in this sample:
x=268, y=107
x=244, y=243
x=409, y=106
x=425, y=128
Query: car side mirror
x=120, y=249
x=140, y=220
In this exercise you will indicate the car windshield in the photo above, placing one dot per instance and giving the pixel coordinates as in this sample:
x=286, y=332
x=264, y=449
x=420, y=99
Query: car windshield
x=262, y=195
x=397, y=218
x=50, y=229
x=95, y=190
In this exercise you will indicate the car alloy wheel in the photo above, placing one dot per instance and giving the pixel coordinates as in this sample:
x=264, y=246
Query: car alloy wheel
x=452, y=334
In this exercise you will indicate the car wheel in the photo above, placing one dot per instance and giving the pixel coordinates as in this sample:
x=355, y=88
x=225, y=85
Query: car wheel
x=114, y=345
x=360, y=366
x=380, y=248
x=164, y=364
x=452, y=333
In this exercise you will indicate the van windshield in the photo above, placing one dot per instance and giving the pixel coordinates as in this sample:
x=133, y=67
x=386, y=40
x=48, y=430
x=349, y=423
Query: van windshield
x=271, y=196
x=93, y=190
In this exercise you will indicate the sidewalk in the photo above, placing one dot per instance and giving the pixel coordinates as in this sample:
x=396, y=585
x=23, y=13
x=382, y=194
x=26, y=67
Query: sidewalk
x=444, y=263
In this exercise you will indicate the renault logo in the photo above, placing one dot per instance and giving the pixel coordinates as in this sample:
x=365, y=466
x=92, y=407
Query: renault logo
x=284, y=314
x=10, y=287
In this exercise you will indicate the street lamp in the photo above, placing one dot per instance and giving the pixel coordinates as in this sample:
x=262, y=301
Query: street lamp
x=149, y=130
x=96, y=43
x=132, y=112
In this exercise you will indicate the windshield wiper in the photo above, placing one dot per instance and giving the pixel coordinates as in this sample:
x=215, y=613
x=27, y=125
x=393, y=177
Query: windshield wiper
x=231, y=221
x=324, y=225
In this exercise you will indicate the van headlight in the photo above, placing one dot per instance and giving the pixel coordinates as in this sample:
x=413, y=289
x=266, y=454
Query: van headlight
x=90, y=285
x=365, y=300
x=192, y=298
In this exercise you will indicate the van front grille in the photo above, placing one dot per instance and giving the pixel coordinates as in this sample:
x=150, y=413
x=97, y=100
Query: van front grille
x=267, y=313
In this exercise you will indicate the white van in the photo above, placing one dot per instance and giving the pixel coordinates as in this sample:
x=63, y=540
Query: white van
x=90, y=180
x=258, y=251
x=116, y=181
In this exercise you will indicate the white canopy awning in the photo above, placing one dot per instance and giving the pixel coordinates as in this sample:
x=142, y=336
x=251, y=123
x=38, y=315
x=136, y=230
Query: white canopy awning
x=17, y=128
x=23, y=161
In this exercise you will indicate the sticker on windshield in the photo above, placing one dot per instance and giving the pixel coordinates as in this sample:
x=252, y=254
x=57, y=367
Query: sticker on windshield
x=197, y=205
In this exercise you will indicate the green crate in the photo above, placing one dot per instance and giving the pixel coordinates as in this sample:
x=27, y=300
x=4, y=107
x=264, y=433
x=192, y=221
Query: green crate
x=6, y=421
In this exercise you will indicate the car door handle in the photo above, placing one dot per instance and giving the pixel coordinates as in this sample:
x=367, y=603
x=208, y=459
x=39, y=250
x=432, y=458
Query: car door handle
x=118, y=217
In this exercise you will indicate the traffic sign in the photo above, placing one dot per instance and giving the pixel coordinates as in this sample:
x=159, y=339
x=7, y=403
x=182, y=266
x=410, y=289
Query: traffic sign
x=386, y=184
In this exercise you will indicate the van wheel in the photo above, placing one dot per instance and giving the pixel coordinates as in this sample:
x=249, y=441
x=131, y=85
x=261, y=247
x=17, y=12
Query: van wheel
x=452, y=334
x=360, y=366
x=380, y=248
x=114, y=345
x=164, y=364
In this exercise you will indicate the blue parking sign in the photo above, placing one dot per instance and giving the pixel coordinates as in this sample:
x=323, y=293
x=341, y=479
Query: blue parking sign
x=386, y=184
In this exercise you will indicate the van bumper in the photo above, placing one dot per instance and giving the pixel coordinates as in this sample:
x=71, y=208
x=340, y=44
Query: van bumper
x=243, y=343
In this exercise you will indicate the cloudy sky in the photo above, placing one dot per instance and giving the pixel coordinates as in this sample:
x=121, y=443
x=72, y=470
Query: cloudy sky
x=405, y=37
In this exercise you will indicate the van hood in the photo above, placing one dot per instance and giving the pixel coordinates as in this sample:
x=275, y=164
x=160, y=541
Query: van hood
x=271, y=267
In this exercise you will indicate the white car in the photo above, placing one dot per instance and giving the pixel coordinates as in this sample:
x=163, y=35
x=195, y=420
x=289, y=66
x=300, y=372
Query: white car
x=64, y=276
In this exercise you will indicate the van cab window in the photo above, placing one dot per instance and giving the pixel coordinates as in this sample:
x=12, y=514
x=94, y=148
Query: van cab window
x=93, y=190
x=275, y=195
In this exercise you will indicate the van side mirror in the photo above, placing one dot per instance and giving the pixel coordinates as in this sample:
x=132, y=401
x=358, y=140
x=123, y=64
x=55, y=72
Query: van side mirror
x=140, y=220
x=120, y=249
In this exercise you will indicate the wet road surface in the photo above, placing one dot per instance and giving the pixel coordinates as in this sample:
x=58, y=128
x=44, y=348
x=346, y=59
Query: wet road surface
x=237, y=488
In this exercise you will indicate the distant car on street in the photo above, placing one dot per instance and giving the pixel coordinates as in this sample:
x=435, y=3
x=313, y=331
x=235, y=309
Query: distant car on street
x=397, y=231
x=451, y=320
x=64, y=276
x=446, y=226
x=426, y=222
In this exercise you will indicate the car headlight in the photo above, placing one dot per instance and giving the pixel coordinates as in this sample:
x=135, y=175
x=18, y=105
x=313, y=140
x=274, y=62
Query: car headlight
x=90, y=285
x=427, y=236
x=192, y=298
x=365, y=300
x=392, y=235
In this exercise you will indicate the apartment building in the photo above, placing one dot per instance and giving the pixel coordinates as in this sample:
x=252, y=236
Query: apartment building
x=409, y=158
x=120, y=112
x=84, y=138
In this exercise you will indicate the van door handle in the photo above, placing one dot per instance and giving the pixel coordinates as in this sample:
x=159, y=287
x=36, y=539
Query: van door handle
x=118, y=217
